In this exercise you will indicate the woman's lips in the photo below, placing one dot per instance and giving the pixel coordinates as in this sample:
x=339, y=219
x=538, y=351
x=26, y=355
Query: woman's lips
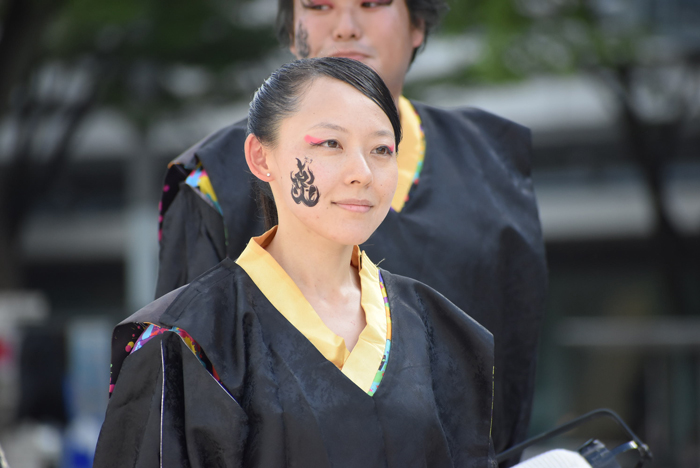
x=356, y=206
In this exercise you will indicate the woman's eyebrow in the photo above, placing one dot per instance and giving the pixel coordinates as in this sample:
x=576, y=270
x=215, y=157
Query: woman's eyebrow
x=383, y=133
x=331, y=126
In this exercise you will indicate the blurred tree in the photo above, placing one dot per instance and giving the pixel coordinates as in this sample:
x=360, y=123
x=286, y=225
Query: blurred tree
x=59, y=58
x=647, y=52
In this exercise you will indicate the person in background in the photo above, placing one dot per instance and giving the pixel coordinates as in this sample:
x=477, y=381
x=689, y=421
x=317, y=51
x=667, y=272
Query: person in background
x=302, y=353
x=463, y=220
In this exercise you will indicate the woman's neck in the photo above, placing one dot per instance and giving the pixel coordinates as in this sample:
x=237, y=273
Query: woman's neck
x=315, y=264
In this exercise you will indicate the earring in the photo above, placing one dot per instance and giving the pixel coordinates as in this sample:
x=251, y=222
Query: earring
x=268, y=174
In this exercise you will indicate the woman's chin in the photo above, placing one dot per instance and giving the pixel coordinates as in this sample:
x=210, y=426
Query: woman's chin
x=351, y=239
x=351, y=235
x=348, y=229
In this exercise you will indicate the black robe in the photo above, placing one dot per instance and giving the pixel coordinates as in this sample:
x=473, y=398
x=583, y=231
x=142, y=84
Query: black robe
x=470, y=230
x=280, y=403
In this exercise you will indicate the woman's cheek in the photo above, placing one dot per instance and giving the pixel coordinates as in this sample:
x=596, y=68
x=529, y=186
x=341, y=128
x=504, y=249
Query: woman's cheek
x=390, y=177
x=322, y=175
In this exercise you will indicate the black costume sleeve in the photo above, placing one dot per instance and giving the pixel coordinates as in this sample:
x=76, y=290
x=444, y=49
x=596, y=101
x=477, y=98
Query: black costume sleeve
x=519, y=294
x=192, y=240
x=521, y=268
x=167, y=410
x=194, y=235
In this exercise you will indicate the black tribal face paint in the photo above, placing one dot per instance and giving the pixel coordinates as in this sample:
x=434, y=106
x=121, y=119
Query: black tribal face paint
x=303, y=190
x=302, y=41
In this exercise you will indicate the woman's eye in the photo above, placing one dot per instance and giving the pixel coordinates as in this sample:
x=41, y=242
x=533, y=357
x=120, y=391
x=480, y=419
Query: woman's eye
x=326, y=143
x=384, y=150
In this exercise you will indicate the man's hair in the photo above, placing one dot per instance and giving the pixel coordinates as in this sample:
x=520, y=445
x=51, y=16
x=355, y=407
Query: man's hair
x=278, y=98
x=427, y=12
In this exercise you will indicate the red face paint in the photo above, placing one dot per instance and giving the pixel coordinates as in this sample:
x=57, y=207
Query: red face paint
x=316, y=4
x=391, y=148
x=312, y=141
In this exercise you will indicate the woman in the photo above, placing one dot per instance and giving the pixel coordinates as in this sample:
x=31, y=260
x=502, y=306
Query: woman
x=302, y=352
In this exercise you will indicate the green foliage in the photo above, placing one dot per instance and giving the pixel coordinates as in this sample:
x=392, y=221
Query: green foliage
x=138, y=43
x=203, y=32
x=528, y=37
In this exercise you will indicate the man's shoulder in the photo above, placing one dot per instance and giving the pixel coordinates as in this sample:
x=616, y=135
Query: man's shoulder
x=226, y=138
x=466, y=117
x=453, y=131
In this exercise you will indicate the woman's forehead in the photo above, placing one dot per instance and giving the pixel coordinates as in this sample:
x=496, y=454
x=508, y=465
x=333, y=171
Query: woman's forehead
x=325, y=92
x=328, y=101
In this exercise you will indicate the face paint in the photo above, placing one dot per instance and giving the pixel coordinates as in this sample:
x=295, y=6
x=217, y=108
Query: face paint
x=312, y=141
x=302, y=41
x=316, y=5
x=391, y=148
x=303, y=190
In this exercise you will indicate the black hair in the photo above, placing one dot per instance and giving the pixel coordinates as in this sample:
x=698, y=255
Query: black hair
x=427, y=12
x=279, y=96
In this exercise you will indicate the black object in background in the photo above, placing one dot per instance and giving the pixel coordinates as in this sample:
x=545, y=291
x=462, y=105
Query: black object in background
x=42, y=370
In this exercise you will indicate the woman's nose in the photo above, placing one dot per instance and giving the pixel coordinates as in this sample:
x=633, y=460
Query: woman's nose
x=358, y=171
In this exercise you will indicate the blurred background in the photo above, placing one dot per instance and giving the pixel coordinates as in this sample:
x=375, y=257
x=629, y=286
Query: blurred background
x=97, y=97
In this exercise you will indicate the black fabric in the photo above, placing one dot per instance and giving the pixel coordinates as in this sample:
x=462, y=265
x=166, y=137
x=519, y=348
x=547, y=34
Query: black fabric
x=193, y=236
x=470, y=230
x=198, y=226
x=282, y=404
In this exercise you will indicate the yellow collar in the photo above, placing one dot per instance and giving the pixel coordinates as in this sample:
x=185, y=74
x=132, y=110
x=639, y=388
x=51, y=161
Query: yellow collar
x=411, y=152
x=362, y=363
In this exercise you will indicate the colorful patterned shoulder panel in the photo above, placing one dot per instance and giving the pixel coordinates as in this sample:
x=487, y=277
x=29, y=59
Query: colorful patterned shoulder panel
x=387, y=348
x=199, y=179
x=154, y=330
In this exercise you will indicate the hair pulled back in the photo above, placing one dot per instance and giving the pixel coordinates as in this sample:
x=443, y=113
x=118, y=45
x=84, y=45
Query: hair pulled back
x=279, y=96
x=422, y=12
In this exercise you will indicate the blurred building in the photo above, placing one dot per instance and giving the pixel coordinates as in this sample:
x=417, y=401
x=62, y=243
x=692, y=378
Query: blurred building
x=615, y=334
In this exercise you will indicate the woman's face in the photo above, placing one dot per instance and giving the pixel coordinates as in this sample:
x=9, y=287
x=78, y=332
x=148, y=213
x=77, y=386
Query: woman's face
x=334, y=164
x=377, y=33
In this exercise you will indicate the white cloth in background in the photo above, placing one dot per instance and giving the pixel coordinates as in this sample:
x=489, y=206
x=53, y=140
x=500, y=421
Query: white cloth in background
x=558, y=458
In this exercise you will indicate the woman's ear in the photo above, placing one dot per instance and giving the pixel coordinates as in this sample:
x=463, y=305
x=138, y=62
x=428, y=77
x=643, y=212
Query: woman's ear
x=256, y=156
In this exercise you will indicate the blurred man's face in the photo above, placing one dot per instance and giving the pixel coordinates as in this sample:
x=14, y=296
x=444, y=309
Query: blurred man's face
x=377, y=33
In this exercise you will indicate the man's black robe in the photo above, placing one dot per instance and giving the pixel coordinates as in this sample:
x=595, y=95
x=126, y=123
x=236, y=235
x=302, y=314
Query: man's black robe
x=470, y=230
x=280, y=403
